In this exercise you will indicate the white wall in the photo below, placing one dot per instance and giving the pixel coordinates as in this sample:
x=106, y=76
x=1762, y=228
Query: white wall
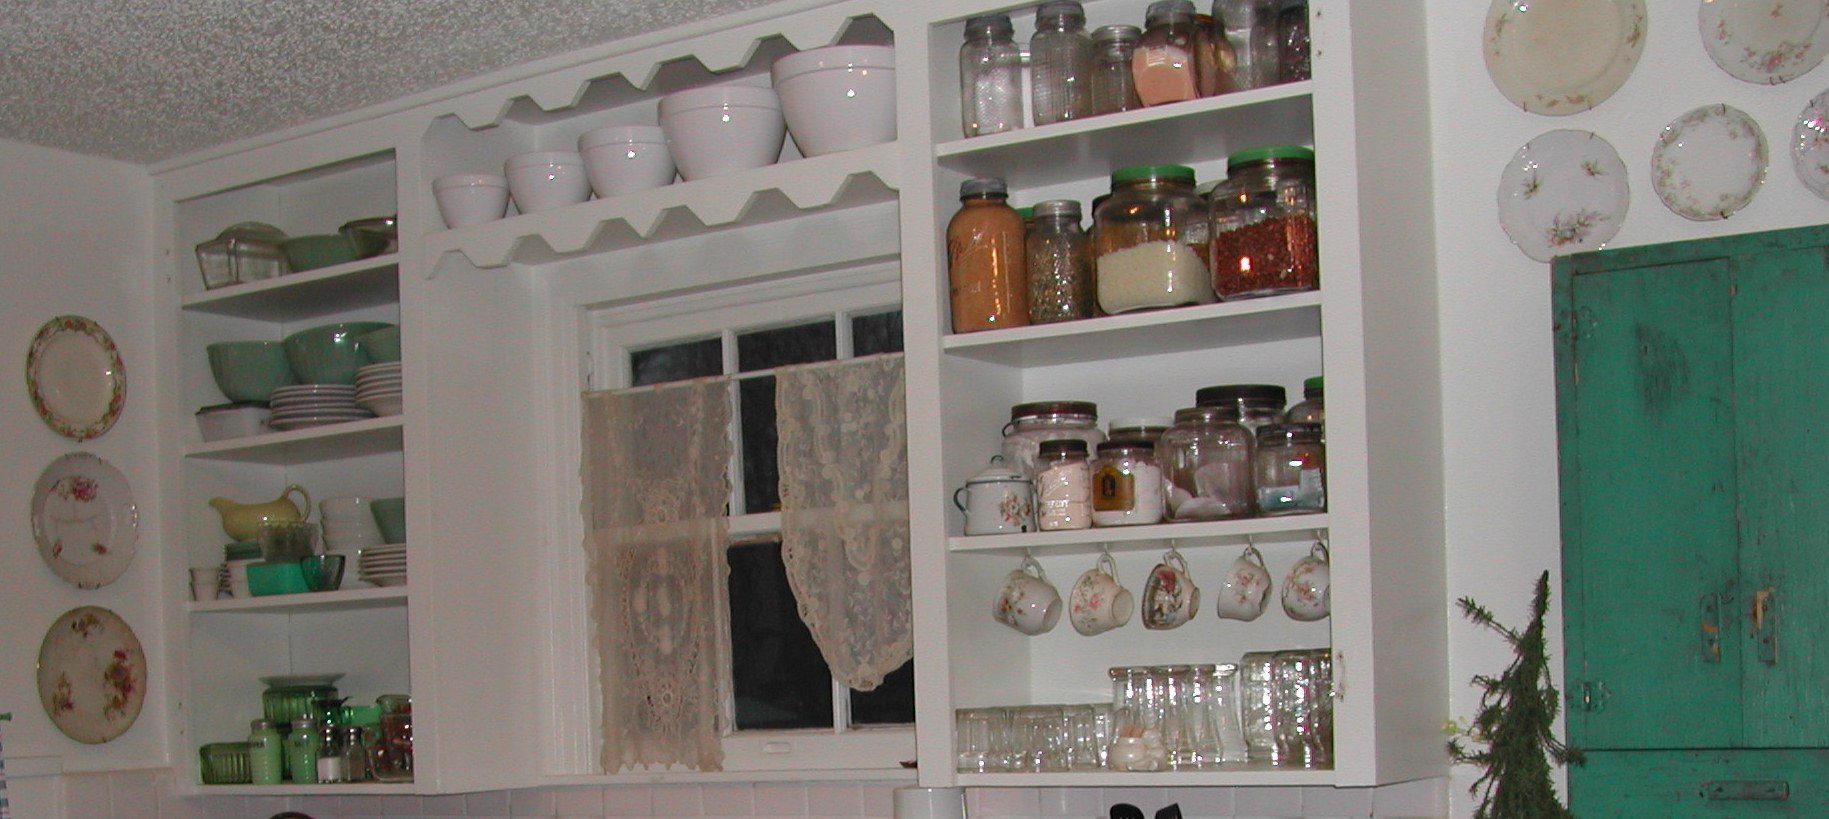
x=1498, y=383
x=75, y=239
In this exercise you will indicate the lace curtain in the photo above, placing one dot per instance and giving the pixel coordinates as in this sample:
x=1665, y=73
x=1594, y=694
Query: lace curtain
x=843, y=459
x=655, y=492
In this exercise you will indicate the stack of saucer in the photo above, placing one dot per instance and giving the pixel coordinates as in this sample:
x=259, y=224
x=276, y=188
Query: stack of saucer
x=378, y=388
x=383, y=565
x=311, y=405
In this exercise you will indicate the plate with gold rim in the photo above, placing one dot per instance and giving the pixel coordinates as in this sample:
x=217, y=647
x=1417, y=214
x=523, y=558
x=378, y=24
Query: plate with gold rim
x=75, y=376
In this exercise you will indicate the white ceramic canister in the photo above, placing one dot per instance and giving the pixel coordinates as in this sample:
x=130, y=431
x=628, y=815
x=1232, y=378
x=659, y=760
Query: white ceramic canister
x=997, y=501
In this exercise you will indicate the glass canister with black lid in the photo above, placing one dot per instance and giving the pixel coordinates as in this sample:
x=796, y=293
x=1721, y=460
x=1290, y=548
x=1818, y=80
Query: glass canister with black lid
x=1256, y=405
x=1263, y=224
x=1150, y=240
x=1207, y=465
x=1034, y=422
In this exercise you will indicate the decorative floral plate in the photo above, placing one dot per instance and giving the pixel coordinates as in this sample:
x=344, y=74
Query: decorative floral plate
x=1709, y=162
x=84, y=520
x=1560, y=57
x=76, y=378
x=1765, y=41
x=91, y=675
x=1810, y=145
x=1563, y=192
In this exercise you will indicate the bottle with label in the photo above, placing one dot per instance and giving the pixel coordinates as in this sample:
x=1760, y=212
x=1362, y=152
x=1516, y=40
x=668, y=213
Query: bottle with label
x=1060, y=264
x=1114, y=86
x=1163, y=64
x=1126, y=485
x=990, y=77
x=266, y=757
x=986, y=259
x=1060, y=63
x=1291, y=470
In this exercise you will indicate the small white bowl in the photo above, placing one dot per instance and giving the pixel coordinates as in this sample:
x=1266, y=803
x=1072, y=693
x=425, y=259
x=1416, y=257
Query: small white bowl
x=225, y=421
x=626, y=158
x=838, y=98
x=470, y=199
x=543, y=180
x=722, y=129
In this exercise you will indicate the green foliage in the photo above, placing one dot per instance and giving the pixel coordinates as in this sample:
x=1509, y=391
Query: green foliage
x=1516, y=724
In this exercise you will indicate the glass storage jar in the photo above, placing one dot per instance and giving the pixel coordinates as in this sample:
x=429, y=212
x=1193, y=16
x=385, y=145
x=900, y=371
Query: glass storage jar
x=1114, y=87
x=1032, y=423
x=224, y=763
x=1207, y=465
x=1059, y=264
x=1291, y=473
x=1254, y=405
x=1164, y=63
x=1312, y=409
x=986, y=261
x=1060, y=63
x=990, y=77
x=1063, y=485
x=1138, y=429
x=1250, y=28
x=1264, y=237
x=243, y=252
x=1126, y=484
x=266, y=757
x=1150, y=240
x=1292, y=41
x=302, y=750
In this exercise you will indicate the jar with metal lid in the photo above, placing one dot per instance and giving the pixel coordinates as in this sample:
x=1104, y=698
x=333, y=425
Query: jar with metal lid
x=330, y=754
x=1164, y=62
x=1032, y=423
x=1126, y=484
x=1060, y=63
x=1059, y=264
x=1256, y=405
x=1150, y=240
x=1250, y=28
x=1141, y=428
x=1311, y=409
x=1264, y=236
x=1063, y=485
x=266, y=757
x=1207, y=465
x=1291, y=470
x=1114, y=87
x=356, y=748
x=986, y=261
x=990, y=77
x=302, y=750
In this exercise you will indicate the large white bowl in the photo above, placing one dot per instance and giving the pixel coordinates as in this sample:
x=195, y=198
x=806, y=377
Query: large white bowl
x=543, y=180
x=722, y=129
x=626, y=158
x=469, y=199
x=837, y=98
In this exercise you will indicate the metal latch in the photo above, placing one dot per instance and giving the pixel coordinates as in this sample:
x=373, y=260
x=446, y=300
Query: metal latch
x=1590, y=696
x=1747, y=791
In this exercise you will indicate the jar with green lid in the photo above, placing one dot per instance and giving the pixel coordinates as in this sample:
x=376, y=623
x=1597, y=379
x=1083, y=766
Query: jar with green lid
x=1312, y=409
x=1150, y=240
x=1264, y=237
x=1060, y=264
x=1254, y=405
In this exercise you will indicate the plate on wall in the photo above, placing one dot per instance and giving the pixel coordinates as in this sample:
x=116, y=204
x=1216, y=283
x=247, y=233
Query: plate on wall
x=85, y=520
x=75, y=376
x=1560, y=57
x=1765, y=41
x=91, y=675
x=1563, y=192
x=1810, y=145
x=1709, y=162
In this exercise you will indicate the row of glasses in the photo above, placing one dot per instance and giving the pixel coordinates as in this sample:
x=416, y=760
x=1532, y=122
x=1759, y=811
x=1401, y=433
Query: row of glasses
x=1287, y=706
x=1175, y=717
x=1032, y=738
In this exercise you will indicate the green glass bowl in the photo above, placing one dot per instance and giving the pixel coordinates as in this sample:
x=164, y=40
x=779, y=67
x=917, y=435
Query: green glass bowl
x=250, y=370
x=312, y=252
x=328, y=354
x=382, y=346
x=390, y=516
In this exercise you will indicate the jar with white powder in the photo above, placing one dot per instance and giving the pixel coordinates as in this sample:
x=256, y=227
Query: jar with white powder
x=1126, y=485
x=1063, y=486
x=1150, y=240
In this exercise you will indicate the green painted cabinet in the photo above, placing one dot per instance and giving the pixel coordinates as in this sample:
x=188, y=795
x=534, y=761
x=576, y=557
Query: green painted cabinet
x=1692, y=384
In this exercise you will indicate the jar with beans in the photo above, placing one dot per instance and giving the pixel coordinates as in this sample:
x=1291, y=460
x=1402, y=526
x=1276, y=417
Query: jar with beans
x=1263, y=232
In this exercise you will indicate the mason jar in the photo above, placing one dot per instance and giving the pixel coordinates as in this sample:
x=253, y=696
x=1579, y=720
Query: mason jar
x=1207, y=465
x=1150, y=240
x=1060, y=264
x=1114, y=87
x=990, y=77
x=1263, y=232
x=1032, y=423
x=1141, y=428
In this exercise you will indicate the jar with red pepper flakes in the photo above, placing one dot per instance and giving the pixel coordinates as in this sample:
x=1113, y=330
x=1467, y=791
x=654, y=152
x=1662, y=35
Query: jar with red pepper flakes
x=1263, y=233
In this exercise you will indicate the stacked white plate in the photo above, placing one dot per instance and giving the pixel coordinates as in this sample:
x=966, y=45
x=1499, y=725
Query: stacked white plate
x=378, y=388
x=311, y=405
x=382, y=565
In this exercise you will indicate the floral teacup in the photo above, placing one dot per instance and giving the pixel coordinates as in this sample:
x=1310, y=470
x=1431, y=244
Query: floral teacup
x=1028, y=602
x=1098, y=603
x=1307, y=592
x=1246, y=589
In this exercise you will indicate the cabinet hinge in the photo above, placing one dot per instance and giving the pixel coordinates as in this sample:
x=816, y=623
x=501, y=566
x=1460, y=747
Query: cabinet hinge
x=1588, y=695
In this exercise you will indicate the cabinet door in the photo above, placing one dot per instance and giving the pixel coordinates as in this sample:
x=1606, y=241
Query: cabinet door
x=1646, y=420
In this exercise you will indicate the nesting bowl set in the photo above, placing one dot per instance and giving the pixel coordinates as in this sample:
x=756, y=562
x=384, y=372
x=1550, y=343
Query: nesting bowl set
x=312, y=377
x=830, y=99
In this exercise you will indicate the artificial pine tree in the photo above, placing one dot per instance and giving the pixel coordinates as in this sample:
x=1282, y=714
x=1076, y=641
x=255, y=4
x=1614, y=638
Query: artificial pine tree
x=1516, y=721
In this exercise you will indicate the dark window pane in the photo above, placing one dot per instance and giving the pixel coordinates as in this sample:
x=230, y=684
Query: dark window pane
x=800, y=344
x=676, y=362
x=876, y=333
x=891, y=703
x=781, y=680
x=761, y=483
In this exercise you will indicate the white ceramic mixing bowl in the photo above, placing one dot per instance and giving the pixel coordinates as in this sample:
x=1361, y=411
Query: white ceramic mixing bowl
x=837, y=98
x=722, y=129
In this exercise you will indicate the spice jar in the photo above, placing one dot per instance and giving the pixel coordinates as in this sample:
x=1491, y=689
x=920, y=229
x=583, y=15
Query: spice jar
x=1250, y=28
x=1311, y=410
x=986, y=259
x=1114, y=86
x=302, y=750
x=330, y=754
x=1150, y=240
x=1163, y=64
x=266, y=757
x=1063, y=485
x=1292, y=41
x=1032, y=423
x=1059, y=264
x=1126, y=485
x=1254, y=405
x=1207, y=465
x=990, y=77
x=1291, y=470
x=1060, y=63
x=1264, y=239
x=356, y=749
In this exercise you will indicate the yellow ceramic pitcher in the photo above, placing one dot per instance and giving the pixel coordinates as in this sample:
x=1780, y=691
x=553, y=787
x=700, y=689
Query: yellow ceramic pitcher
x=242, y=520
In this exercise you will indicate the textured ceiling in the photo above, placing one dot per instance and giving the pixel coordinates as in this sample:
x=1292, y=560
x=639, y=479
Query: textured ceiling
x=146, y=80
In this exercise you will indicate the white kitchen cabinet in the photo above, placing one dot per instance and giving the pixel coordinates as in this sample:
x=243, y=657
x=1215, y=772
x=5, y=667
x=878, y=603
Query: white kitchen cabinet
x=500, y=326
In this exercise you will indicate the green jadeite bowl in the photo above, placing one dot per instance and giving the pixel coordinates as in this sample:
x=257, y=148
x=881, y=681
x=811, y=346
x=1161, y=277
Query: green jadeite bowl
x=382, y=346
x=390, y=516
x=312, y=252
x=328, y=354
x=250, y=370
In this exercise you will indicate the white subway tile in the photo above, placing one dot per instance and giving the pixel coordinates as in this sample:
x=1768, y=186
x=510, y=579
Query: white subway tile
x=839, y=799
x=728, y=799
x=486, y=803
x=1325, y=801
x=1280, y=802
x=331, y=807
x=617, y=800
x=1205, y=803
x=879, y=801
x=1002, y=803
x=395, y=804
x=580, y=800
x=1082, y=803
x=218, y=807
x=1423, y=797
x=1148, y=800
x=442, y=805
x=532, y=802
x=781, y=799
x=677, y=802
x=87, y=795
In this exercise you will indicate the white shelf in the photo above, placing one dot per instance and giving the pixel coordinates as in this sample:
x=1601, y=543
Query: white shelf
x=849, y=179
x=1179, y=329
x=340, y=600
x=288, y=789
x=298, y=296
x=1230, y=775
x=329, y=442
x=1130, y=538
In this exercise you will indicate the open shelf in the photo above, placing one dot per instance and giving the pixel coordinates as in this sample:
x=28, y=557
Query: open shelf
x=1128, y=538
x=340, y=600
x=329, y=442
x=298, y=296
x=1178, y=329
